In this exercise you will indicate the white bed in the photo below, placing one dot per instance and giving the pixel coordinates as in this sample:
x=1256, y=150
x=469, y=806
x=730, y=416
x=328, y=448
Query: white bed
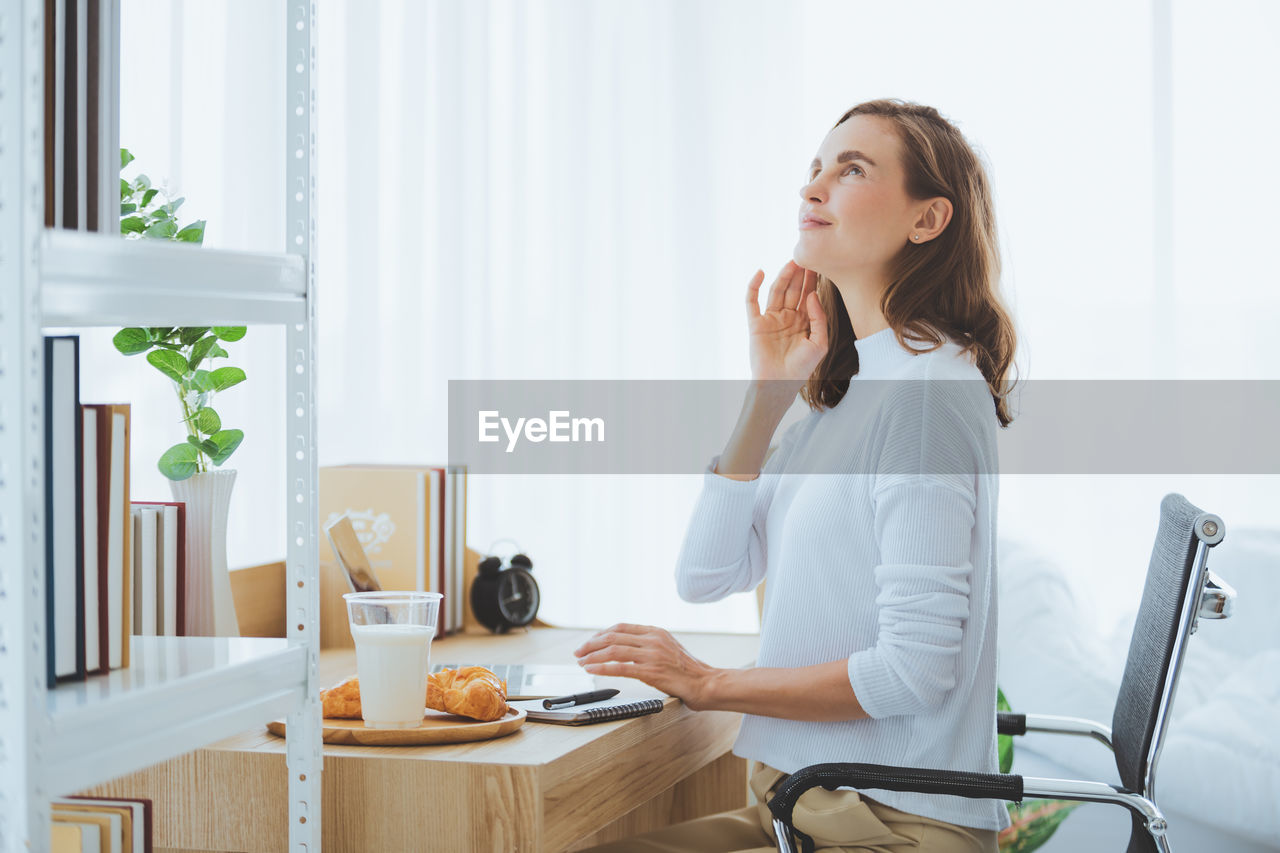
x=1219, y=775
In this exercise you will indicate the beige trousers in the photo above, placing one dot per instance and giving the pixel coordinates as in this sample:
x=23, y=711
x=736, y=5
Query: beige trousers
x=842, y=821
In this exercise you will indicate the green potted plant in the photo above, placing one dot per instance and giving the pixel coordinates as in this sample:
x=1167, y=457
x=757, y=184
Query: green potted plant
x=185, y=355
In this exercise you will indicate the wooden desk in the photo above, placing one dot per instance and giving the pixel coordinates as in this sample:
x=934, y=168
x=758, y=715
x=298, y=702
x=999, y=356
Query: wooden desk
x=544, y=788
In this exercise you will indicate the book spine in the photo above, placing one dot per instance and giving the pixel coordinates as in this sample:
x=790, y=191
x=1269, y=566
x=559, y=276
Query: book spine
x=420, y=541
x=103, y=536
x=64, y=520
x=168, y=535
x=77, y=415
x=126, y=530
x=82, y=117
x=441, y=551
x=50, y=612
x=119, y=558
x=89, y=535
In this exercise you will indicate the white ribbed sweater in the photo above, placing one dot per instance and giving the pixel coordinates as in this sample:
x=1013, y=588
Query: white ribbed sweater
x=885, y=558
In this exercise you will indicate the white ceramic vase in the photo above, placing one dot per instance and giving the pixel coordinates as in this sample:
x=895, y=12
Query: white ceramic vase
x=211, y=611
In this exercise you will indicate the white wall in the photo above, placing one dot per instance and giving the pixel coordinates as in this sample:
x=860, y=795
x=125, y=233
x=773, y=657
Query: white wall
x=578, y=189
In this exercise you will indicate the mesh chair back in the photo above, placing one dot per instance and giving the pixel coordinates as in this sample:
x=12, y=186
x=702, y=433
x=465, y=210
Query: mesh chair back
x=1142, y=690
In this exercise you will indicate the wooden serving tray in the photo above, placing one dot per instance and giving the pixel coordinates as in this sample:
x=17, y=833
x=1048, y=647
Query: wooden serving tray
x=437, y=727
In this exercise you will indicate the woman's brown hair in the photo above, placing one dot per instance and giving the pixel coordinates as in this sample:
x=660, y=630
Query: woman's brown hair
x=948, y=286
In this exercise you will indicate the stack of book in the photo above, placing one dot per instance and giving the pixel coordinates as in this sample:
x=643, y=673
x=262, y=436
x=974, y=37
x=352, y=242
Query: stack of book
x=86, y=825
x=412, y=523
x=112, y=568
x=82, y=115
x=159, y=569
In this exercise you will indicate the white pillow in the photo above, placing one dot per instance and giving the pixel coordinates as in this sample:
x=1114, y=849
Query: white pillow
x=1053, y=660
x=1221, y=760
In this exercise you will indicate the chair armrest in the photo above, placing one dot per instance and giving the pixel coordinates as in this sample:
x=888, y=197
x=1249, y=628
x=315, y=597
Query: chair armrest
x=1144, y=811
x=1020, y=724
x=1011, y=724
x=999, y=786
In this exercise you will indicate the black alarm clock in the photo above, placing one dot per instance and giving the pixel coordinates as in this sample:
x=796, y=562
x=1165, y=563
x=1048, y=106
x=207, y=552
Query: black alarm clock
x=505, y=596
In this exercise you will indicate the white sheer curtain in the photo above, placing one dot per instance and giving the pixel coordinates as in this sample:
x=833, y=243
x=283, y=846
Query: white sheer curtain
x=581, y=189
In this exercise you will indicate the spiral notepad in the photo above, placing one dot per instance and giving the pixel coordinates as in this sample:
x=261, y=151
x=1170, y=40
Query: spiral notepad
x=597, y=712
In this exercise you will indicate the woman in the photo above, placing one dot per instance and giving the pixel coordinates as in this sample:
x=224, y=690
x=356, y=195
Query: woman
x=879, y=625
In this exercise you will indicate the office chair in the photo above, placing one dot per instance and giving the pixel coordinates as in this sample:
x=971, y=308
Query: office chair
x=1167, y=617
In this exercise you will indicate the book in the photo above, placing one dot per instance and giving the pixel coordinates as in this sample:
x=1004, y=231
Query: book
x=141, y=820
x=390, y=510
x=71, y=85
x=457, y=582
x=66, y=837
x=129, y=830
x=437, y=491
x=81, y=114
x=115, y=540
x=102, y=536
x=91, y=48
x=94, y=660
x=166, y=571
x=51, y=151
x=77, y=106
x=107, y=97
x=447, y=545
x=90, y=833
x=64, y=512
x=618, y=708
x=56, y=17
x=144, y=571
x=411, y=521
x=108, y=825
x=171, y=560
x=106, y=538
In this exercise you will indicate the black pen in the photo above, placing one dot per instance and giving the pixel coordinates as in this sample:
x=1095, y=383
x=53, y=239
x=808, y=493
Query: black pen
x=579, y=699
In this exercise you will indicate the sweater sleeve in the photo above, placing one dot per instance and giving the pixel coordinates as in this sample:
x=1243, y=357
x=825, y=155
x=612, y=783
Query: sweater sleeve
x=924, y=504
x=725, y=544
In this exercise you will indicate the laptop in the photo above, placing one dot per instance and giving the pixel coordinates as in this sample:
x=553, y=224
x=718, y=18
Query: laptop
x=524, y=680
x=535, y=680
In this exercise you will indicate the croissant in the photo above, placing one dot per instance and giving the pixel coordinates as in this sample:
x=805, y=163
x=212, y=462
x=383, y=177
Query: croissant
x=342, y=701
x=471, y=691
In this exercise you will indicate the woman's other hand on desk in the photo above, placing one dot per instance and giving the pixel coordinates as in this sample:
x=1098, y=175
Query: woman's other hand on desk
x=651, y=655
x=820, y=692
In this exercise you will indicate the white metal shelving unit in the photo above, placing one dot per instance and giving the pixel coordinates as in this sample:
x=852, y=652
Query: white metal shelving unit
x=180, y=693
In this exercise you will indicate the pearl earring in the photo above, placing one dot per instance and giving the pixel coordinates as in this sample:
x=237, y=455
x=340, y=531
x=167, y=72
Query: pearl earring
x=915, y=237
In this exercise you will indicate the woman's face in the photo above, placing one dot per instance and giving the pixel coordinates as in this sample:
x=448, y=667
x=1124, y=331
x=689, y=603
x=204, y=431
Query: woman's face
x=857, y=186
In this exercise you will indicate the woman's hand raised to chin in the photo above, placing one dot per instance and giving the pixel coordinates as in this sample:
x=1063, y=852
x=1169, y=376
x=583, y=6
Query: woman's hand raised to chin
x=790, y=337
x=651, y=655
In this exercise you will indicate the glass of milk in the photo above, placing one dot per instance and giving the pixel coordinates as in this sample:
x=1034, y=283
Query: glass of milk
x=393, y=632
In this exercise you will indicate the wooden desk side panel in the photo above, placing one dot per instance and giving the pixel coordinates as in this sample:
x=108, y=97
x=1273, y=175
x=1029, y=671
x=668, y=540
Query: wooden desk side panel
x=584, y=794
x=213, y=800
x=430, y=806
x=238, y=801
x=721, y=786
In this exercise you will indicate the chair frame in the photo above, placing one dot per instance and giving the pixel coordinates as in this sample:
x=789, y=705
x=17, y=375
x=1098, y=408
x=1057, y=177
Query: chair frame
x=1212, y=599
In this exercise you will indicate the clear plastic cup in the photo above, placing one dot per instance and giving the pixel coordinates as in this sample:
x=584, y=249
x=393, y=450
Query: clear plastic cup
x=393, y=632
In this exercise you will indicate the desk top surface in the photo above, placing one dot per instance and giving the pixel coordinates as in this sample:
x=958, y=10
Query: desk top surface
x=534, y=743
